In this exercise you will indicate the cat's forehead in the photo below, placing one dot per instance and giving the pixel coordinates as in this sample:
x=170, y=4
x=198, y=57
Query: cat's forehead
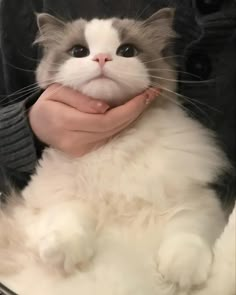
x=101, y=34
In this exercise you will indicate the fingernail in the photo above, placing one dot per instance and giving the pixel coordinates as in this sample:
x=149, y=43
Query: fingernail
x=100, y=107
x=157, y=91
x=150, y=97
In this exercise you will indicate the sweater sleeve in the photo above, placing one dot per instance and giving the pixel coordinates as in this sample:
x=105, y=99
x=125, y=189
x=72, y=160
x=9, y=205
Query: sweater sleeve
x=17, y=145
x=19, y=148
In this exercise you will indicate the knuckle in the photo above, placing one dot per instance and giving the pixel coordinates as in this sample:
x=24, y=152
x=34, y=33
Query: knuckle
x=50, y=91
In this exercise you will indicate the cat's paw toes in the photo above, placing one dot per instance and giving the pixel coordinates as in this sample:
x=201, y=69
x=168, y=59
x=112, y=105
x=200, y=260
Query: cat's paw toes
x=185, y=260
x=66, y=252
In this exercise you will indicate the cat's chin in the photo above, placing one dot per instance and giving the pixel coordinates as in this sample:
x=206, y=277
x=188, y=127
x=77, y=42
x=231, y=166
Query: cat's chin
x=107, y=90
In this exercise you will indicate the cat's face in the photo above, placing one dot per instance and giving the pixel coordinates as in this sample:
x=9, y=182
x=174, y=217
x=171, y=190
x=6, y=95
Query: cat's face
x=112, y=59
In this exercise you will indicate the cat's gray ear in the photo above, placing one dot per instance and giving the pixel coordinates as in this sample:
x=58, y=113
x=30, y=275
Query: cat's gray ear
x=159, y=26
x=164, y=16
x=49, y=27
x=47, y=21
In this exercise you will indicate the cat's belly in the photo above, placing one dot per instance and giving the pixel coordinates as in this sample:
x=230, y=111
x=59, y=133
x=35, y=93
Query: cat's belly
x=120, y=267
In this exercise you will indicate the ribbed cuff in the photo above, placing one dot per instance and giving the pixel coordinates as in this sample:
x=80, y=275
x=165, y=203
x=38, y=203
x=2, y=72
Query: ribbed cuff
x=31, y=100
x=17, y=148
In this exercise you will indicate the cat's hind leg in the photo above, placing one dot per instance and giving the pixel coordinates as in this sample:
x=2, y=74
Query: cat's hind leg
x=185, y=253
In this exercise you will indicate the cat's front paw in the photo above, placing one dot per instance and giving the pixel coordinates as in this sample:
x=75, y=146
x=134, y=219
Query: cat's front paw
x=66, y=251
x=185, y=260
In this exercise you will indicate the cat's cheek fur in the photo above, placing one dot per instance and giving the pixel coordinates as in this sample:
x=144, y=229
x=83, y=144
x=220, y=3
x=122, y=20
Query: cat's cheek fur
x=130, y=79
x=75, y=72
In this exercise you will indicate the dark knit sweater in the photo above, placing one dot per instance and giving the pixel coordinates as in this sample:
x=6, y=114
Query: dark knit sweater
x=206, y=48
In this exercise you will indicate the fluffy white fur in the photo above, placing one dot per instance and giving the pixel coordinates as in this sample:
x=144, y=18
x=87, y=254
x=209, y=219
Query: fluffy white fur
x=135, y=217
x=107, y=274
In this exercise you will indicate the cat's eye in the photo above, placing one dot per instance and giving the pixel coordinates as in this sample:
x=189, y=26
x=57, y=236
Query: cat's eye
x=79, y=51
x=127, y=50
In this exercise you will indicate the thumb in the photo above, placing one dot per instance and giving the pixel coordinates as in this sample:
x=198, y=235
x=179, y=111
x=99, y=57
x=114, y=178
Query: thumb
x=135, y=107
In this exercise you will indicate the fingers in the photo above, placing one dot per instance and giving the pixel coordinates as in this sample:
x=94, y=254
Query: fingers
x=132, y=109
x=75, y=99
x=113, y=119
x=67, y=120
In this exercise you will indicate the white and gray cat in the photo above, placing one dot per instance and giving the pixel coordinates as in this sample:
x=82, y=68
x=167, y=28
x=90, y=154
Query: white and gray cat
x=139, y=210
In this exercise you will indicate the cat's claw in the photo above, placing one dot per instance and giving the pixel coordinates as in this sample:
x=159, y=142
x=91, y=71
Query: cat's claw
x=66, y=252
x=185, y=260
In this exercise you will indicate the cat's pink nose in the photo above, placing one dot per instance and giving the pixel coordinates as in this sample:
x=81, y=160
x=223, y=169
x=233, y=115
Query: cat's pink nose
x=102, y=58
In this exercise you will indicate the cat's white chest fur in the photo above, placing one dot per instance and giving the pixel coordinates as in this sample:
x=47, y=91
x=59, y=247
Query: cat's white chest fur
x=117, y=211
x=164, y=153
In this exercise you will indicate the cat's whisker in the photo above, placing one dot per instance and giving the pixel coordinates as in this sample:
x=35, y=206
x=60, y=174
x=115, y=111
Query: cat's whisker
x=139, y=78
x=139, y=14
x=30, y=89
x=172, y=70
x=19, y=68
x=18, y=98
x=177, y=71
x=23, y=90
x=186, y=99
x=167, y=79
x=29, y=58
x=50, y=95
x=182, y=81
x=19, y=92
x=176, y=102
x=202, y=103
x=164, y=58
x=191, y=100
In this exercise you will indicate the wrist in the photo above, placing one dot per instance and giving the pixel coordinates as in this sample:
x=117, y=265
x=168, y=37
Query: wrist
x=29, y=102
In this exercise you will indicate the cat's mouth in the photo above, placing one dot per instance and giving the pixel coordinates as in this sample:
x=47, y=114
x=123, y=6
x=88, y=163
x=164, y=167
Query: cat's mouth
x=101, y=77
x=104, y=86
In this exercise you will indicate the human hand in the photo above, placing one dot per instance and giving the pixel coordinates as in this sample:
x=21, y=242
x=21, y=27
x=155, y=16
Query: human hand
x=75, y=124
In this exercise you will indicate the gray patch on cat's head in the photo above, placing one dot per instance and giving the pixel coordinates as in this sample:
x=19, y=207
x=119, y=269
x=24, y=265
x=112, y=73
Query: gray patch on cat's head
x=54, y=32
x=151, y=37
x=57, y=38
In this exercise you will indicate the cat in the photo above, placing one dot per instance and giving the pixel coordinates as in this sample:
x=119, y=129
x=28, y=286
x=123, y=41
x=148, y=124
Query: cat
x=137, y=211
